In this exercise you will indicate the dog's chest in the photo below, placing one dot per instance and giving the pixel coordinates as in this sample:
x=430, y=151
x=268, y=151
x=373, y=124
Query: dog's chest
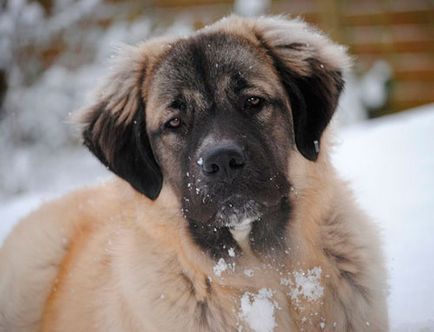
x=231, y=302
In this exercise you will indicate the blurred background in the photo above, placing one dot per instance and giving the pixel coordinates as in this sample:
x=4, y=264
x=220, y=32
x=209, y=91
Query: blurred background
x=53, y=52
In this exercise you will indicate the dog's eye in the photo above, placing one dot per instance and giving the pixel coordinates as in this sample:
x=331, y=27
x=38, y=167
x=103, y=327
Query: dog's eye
x=173, y=123
x=253, y=103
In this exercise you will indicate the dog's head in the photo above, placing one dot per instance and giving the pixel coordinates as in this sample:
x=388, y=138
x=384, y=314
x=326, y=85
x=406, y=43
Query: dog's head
x=216, y=116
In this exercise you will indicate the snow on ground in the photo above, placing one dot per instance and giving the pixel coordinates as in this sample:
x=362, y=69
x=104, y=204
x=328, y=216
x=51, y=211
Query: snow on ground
x=48, y=177
x=390, y=163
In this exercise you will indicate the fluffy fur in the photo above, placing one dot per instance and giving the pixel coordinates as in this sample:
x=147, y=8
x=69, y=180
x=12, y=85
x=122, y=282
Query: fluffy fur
x=109, y=258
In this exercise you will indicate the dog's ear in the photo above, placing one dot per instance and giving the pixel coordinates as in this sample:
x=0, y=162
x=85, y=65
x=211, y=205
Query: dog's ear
x=310, y=67
x=114, y=127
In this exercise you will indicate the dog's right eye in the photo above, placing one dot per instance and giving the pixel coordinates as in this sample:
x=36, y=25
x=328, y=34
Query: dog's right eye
x=173, y=123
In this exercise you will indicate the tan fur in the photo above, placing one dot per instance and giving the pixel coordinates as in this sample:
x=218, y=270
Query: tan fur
x=275, y=31
x=107, y=258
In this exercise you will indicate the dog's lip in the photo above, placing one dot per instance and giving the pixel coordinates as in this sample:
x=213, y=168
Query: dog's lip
x=264, y=208
x=260, y=209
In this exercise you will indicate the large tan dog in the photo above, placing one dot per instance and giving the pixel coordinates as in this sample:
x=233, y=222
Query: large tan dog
x=227, y=214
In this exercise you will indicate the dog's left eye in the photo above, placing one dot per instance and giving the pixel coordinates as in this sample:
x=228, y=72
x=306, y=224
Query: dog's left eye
x=253, y=103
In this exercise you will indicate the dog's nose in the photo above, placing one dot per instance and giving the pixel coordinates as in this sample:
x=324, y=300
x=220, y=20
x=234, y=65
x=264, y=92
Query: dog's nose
x=224, y=162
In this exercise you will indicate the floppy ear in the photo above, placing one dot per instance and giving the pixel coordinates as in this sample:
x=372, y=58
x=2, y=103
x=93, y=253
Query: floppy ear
x=310, y=67
x=114, y=127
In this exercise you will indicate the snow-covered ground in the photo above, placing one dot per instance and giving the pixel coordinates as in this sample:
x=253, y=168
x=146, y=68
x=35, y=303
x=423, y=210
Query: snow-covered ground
x=390, y=164
x=49, y=177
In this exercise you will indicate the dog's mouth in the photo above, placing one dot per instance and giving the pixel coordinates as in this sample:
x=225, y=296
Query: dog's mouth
x=238, y=218
x=232, y=206
x=236, y=212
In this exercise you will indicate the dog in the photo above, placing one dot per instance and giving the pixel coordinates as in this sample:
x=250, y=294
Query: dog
x=226, y=213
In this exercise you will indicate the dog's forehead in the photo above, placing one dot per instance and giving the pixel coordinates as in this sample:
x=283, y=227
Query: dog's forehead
x=208, y=63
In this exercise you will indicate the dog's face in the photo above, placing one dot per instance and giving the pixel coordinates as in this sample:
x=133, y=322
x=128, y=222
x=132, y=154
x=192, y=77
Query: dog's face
x=216, y=116
x=220, y=129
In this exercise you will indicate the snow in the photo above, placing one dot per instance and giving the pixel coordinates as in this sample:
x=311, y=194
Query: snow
x=304, y=285
x=35, y=113
x=257, y=310
x=47, y=177
x=249, y=273
x=390, y=164
x=15, y=17
x=220, y=267
x=373, y=84
x=362, y=93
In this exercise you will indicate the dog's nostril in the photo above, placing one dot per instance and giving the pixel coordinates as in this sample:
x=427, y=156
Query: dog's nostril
x=214, y=168
x=210, y=167
x=223, y=161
